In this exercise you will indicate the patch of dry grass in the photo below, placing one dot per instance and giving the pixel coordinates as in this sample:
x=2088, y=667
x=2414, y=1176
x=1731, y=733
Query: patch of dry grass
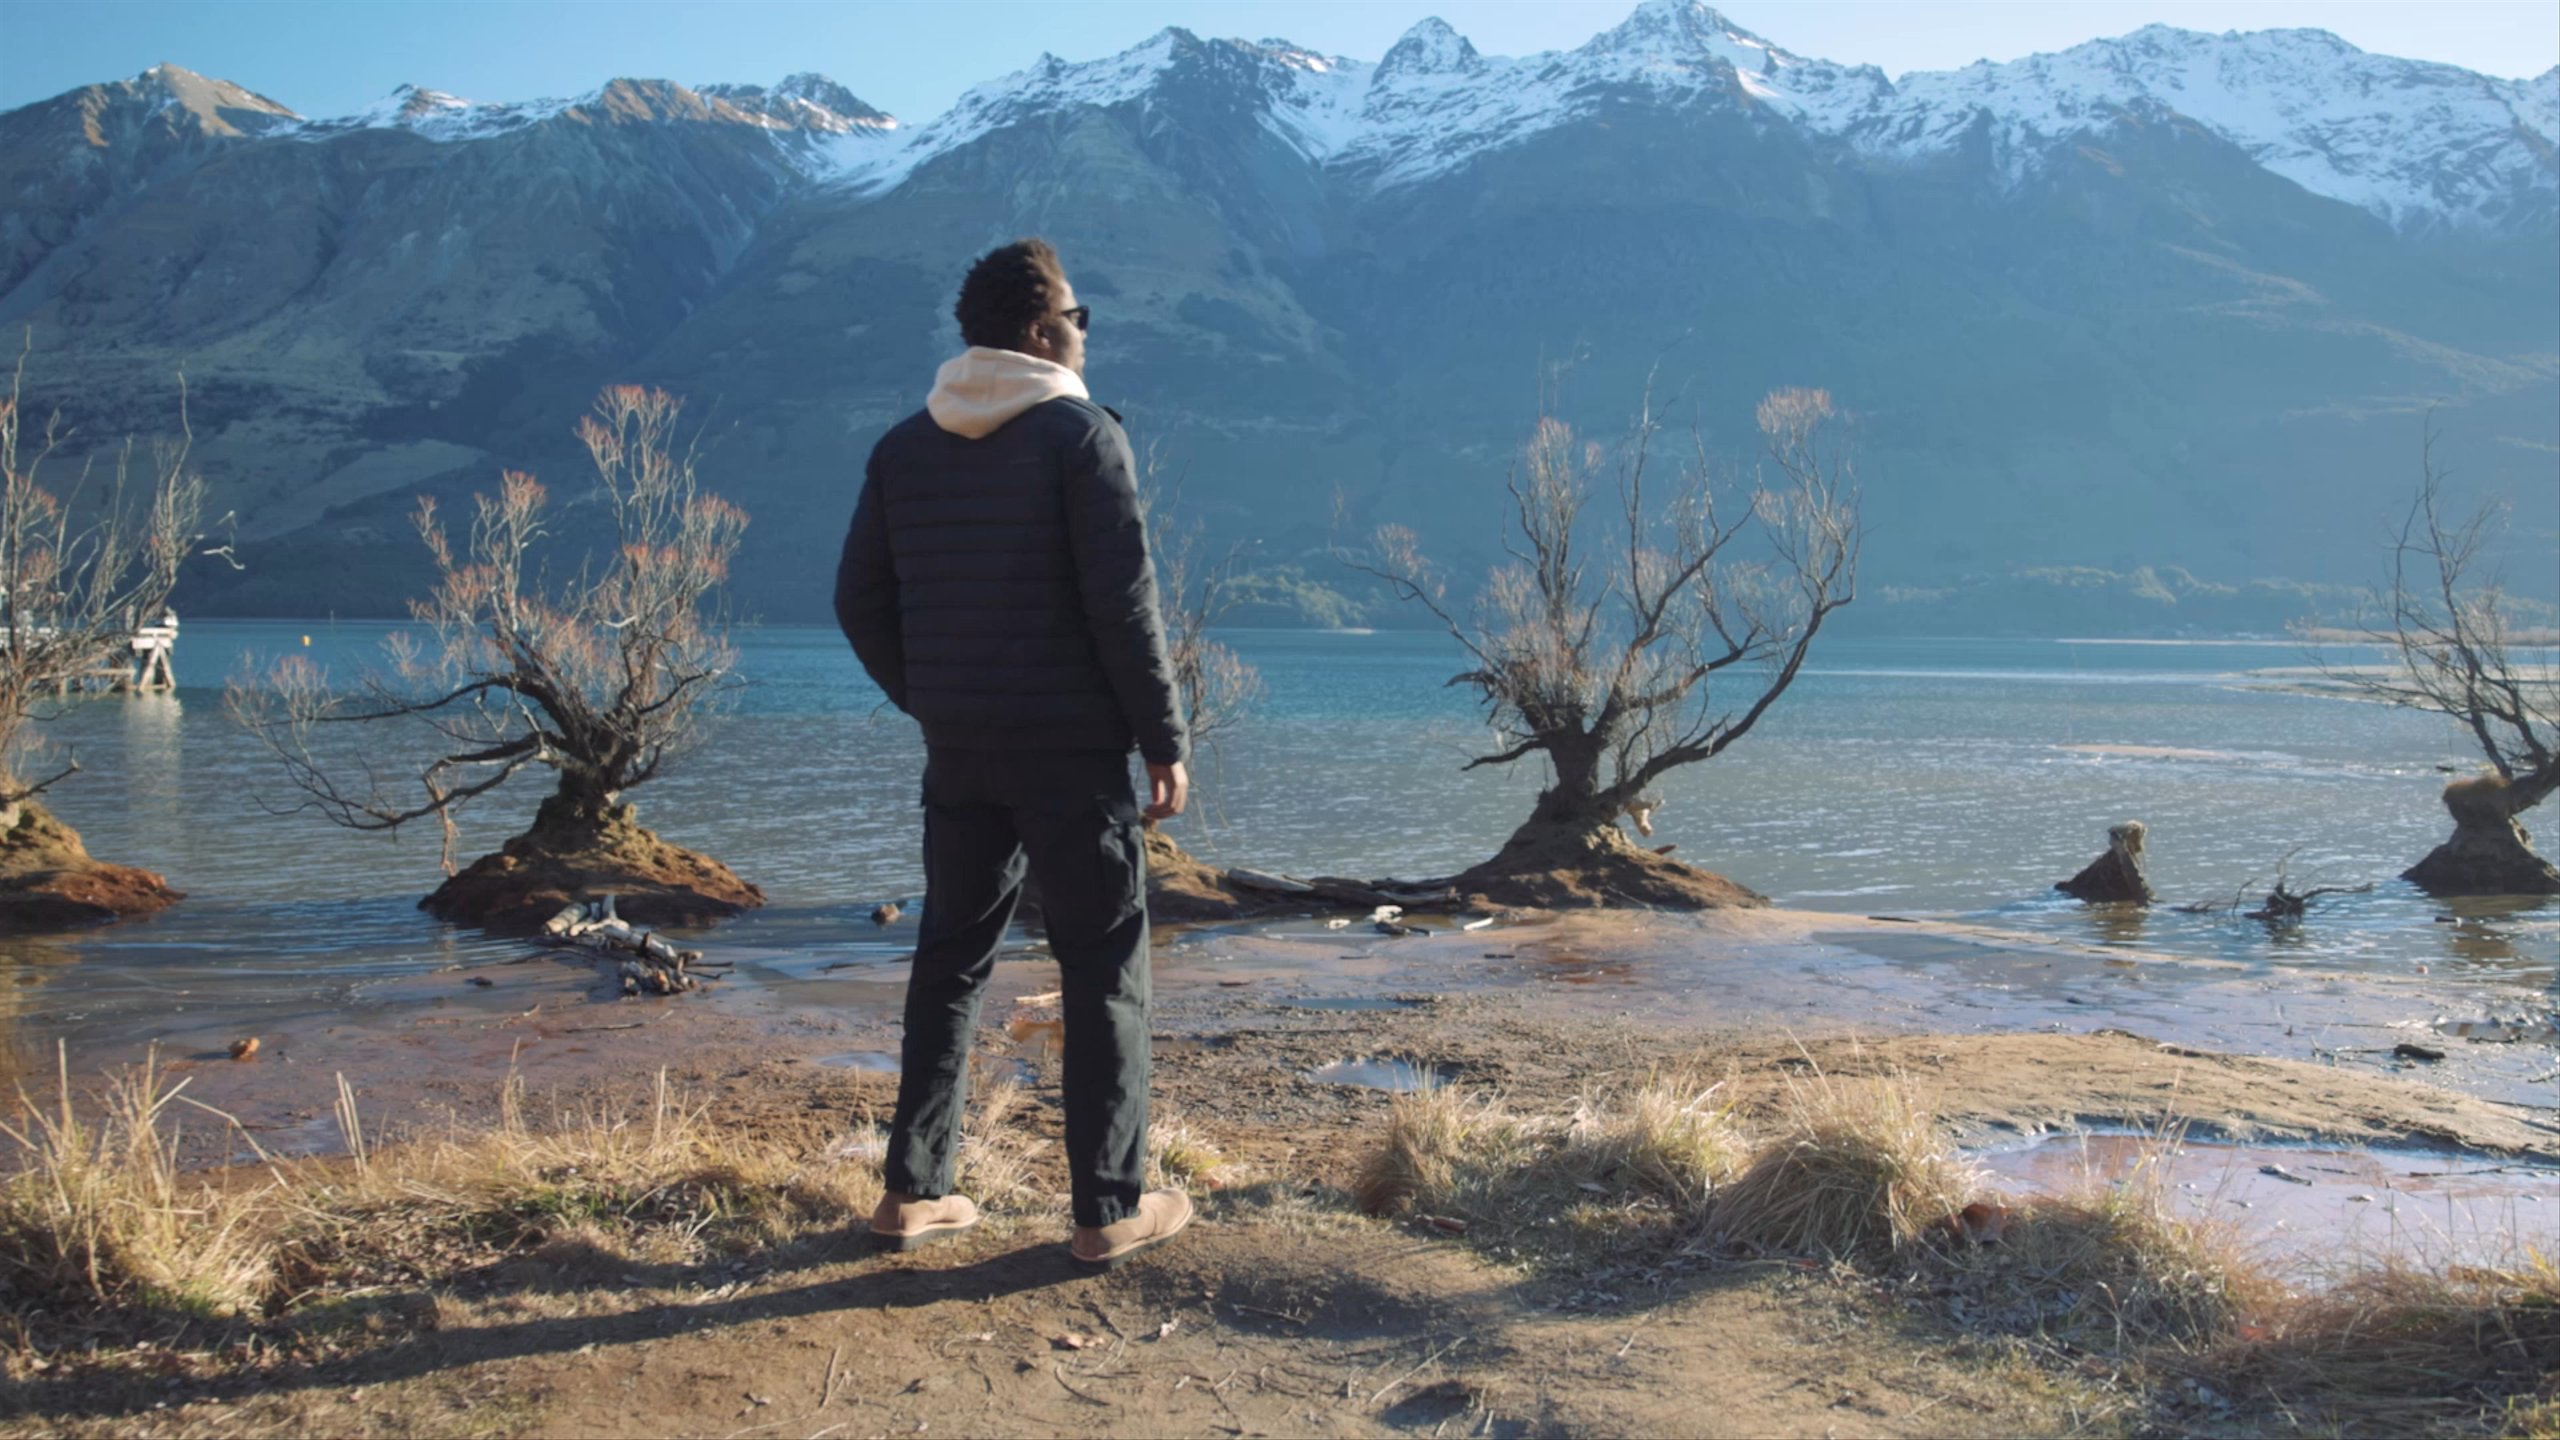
x=1858, y=1170
x=1856, y=1167
x=656, y=1184
x=1179, y=1154
x=97, y=1219
x=2111, y=1267
x=2399, y=1350
x=1622, y=1166
x=98, y=1213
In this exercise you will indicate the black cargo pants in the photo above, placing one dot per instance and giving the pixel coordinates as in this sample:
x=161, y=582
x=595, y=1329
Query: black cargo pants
x=1074, y=816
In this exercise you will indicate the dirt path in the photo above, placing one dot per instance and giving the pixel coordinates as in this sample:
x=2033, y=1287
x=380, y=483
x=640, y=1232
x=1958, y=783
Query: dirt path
x=1253, y=1326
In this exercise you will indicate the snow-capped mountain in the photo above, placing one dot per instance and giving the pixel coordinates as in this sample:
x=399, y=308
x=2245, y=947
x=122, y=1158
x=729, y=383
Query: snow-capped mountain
x=2415, y=143
x=2170, y=298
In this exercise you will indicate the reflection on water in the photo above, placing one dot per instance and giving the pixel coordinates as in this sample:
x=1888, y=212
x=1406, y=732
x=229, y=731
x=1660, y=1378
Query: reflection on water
x=2116, y=924
x=1921, y=776
x=1380, y=1073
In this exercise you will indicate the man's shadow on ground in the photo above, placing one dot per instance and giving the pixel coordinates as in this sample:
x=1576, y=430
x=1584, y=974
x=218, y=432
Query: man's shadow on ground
x=886, y=1286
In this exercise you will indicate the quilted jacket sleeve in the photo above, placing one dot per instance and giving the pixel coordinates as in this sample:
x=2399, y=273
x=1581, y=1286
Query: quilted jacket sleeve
x=867, y=594
x=1108, y=536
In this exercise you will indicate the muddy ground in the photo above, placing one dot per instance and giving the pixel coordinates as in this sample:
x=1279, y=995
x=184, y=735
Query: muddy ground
x=1284, y=1311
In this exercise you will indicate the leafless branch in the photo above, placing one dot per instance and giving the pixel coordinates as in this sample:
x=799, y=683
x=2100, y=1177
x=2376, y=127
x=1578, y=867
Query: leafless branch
x=599, y=677
x=79, y=573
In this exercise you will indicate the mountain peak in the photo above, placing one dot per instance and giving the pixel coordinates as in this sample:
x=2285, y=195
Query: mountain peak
x=1677, y=25
x=805, y=101
x=1432, y=47
x=217, y=106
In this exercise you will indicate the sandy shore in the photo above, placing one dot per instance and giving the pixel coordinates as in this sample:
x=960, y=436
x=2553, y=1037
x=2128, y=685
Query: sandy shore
x=434, y=1047
x=1284, y=1311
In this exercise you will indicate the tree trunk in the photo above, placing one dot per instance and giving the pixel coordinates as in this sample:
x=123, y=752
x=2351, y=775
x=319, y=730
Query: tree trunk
x=577, y=813
x=2490, y=852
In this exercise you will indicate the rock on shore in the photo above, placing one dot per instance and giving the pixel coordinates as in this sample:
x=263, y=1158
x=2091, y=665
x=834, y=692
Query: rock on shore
x=49, y=881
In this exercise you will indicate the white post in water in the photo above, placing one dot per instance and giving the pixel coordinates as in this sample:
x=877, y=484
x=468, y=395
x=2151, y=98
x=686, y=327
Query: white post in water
x=154, y=648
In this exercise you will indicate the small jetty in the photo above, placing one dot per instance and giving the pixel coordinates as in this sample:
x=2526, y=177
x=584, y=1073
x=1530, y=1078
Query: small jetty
x=149, y=670
x=143, y=664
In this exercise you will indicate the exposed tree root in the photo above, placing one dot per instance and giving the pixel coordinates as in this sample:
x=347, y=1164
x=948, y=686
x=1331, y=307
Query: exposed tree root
x=574, y=859
x=1587, y=867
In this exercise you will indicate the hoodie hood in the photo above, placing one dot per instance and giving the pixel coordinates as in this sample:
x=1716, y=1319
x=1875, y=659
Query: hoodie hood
x=978, y=390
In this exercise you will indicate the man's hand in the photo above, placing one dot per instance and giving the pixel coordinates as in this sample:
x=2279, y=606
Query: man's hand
x=1168, y=790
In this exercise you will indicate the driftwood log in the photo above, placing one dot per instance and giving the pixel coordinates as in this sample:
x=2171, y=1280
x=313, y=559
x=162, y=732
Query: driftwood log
x=2285, y=906
x=2118, y=876
x=644, y=962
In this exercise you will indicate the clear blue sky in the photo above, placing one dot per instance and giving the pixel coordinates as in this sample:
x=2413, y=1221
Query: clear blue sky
x=912, y=58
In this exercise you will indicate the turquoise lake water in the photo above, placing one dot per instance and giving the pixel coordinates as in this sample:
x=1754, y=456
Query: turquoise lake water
x=1911, y=777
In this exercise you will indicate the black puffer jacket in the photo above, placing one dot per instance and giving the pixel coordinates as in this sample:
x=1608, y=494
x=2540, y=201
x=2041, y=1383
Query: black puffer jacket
x=999, y=590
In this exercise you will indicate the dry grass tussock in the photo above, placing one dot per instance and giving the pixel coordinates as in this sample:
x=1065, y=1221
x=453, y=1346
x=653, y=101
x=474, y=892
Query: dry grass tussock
x=2398, y=1350
x=1860, y=1171
x=1179, y=1154
x=1646, y=1159
x=1855, y=1168
x=1851, y=1167
x=98, y=1210
x=2110, y=1267
x=97, y=1218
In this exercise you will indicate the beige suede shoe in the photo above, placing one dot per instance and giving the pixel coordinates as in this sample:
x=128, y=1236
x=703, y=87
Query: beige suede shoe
x=904, y=1222
x=1161, y=1216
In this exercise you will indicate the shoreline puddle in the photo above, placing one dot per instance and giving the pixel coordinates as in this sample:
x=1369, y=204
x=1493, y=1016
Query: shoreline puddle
x=1381, y=1072
x=2309, y=1207
x=878, y=1062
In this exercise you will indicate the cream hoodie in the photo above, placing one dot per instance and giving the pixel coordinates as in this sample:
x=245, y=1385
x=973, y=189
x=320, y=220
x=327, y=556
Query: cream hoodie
x=978, y=390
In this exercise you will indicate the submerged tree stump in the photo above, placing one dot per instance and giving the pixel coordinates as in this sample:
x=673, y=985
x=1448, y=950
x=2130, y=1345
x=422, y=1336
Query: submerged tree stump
x=2117, y=877
x=572, y=856
x=2490, y=853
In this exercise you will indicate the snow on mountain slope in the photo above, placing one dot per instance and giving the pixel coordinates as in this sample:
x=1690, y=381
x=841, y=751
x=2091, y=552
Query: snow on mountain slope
x=2416, y=143
x=436, y=115
x=2413, y=142
x=803, y=105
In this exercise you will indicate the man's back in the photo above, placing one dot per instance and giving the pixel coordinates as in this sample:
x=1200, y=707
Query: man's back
x=998, y=587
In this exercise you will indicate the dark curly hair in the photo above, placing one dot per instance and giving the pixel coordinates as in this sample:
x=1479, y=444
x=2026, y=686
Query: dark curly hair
x=1007, y=291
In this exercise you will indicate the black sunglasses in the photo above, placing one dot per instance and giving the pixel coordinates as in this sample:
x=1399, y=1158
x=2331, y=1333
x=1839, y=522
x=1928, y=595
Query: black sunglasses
x=1080, y=317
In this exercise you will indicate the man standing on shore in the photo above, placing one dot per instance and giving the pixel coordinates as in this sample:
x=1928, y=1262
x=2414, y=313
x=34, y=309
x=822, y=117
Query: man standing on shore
x=997, y=587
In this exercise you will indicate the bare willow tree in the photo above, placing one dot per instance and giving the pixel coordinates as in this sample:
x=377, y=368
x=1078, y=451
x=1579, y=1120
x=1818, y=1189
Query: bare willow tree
x=1657, y=642
x=80, y=572
x=599, y=678
x=2457, y=650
